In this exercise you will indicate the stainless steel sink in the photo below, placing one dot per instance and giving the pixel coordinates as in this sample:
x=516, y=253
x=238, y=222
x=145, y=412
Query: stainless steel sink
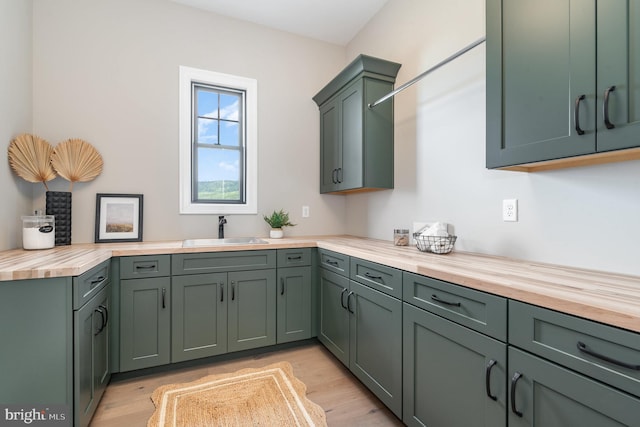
x=195, y=243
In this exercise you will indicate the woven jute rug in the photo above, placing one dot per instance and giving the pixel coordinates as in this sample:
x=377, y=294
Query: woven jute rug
x=269, y=396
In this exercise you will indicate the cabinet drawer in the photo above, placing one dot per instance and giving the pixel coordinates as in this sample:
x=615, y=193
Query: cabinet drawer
x=602, y=352
x=334, y=261
x=299, y=257
x=477, y=310
x=133, y=267
x=89, y=283
x=213, y=262
x=380, y=277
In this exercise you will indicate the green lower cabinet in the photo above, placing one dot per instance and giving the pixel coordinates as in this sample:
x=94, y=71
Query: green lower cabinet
x=91, y=355
x=544, y=394
x=375, y=335
x=36, y=359
x=293, y=304
x=362, y=327
x=218, y=313
x=145, y=319
x=453, y=376
x=199, y=316
x=333, y=330
x=252, y=309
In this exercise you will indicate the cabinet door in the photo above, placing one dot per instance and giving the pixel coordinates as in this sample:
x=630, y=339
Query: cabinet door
x=101, y=348
x=199, y=316
x=252, y=309
x=449, y=373
x=144, y=323
x=619, y=71
x=350, y=155
x=329, y=146
x=334, y=317
x=540, y=61
x=294, y=304
x=91, y=356
x=36, y=340
x=376, y=343
x=549, y=395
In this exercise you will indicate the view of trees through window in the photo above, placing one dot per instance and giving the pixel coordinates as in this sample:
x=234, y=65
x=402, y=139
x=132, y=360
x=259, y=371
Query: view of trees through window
x=218, y=148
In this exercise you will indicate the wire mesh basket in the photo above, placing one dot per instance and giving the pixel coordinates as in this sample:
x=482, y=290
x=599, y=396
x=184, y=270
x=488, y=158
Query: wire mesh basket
x=435, y=244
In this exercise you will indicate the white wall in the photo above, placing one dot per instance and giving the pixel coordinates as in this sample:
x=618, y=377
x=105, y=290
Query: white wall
x=586, y=217
x=15, y=112
x=107, y=72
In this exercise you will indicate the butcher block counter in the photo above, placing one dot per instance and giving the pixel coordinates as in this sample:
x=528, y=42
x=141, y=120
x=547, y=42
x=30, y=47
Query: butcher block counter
x=609, y=298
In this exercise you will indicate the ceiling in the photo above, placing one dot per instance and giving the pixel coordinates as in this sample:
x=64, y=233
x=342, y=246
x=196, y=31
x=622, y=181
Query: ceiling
x=333, y=21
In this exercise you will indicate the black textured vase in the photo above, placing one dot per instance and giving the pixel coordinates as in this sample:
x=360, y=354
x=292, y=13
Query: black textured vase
x=59, y=205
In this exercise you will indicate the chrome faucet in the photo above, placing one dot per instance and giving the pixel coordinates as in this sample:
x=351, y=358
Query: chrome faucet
x=221, y=222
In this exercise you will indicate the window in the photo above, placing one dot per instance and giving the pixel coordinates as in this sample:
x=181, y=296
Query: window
x=218, y=143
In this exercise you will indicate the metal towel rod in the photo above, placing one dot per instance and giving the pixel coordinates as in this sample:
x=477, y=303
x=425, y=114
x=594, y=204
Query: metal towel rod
x=435, y=67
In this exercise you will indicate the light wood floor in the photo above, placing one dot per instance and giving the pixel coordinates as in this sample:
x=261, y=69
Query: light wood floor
x=329, y=384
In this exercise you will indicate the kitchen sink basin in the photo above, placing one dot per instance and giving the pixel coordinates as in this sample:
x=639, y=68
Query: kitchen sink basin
x=195, y=243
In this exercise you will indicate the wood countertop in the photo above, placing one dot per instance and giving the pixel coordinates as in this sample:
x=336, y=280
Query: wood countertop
x=609, y=298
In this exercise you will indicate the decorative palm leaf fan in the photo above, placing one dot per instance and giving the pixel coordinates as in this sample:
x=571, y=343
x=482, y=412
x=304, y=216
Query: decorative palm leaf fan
x=76, y=161
x=30, y=158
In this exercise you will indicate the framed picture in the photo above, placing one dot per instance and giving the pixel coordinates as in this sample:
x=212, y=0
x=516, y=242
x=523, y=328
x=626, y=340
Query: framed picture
x=118, y=218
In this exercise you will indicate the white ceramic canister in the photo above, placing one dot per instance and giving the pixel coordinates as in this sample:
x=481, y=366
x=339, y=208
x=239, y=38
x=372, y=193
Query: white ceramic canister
x=38, y=232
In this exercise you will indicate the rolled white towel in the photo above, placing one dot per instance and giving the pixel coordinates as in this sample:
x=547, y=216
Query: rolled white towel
x=439, y=245
x=436, y=229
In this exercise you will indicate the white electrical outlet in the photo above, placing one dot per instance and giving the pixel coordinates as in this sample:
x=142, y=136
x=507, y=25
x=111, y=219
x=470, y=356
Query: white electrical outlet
x=510, y=210
x=305, y=212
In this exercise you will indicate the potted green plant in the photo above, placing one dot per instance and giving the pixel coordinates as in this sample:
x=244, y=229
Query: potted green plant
x=278, y=220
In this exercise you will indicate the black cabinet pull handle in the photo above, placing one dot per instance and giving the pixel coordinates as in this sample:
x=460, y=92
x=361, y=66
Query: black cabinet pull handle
x=106, y=316
x=441, y=301
x=146, y=267
x=514, y=380
x=97, y=280
x=487, y=378
x=294, y=258
x=371, y=276
x=576, y=114
x=99, y=310
x=331, y=263
x=233, y=291
x=583, y=348
x=339, y=176
x=221, y=292
x=349, y=303
x=164, y=294
x=334, y=174
x=605, y=107
x=342, y=298
x=282, y=286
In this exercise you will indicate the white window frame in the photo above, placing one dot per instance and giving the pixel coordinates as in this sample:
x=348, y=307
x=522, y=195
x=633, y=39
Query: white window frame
x=189, y=75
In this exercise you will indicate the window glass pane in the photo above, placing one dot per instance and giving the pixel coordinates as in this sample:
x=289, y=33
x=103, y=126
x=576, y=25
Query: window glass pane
x=207, y=103
x=230, y=106
x=219, y=174
x=207, y=131
x=229, y=133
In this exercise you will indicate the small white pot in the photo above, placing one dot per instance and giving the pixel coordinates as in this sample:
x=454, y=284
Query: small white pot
x=276, y=233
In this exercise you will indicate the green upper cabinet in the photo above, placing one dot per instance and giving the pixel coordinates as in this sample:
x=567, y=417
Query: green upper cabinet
x=356, y=142
x=619, y=73
x=549, y=64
